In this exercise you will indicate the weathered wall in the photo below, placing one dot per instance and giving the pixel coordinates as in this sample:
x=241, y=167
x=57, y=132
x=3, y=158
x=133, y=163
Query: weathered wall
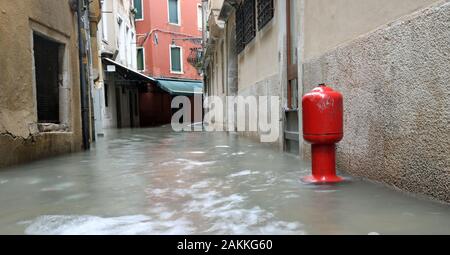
x=268, y=87
x=261, y=57
x=262, y=65
x=329, y=23
x=396, y=85
x=20, y=140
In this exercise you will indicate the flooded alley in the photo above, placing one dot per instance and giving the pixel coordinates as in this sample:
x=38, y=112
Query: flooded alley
x=155, y=181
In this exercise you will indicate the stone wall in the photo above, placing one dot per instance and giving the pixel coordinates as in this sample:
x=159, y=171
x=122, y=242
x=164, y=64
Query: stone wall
x=268, y=87
x=20, y=138
x=396, y=85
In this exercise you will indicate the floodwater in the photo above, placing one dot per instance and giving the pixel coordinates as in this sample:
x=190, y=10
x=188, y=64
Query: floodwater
x=153, y=181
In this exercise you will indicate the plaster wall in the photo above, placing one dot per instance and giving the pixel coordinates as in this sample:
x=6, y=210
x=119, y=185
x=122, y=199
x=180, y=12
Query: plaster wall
x=20, y=140
x=396, y=86
x=329, y=23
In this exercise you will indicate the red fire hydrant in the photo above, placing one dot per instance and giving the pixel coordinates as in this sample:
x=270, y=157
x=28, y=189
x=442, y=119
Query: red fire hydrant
x=323, y=114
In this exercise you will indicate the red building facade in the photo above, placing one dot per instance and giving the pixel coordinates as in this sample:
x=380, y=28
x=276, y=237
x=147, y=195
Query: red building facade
x=167, y=32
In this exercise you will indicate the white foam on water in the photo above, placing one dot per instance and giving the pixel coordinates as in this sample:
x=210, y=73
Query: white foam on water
x=290, y=196
x=192, y=164
x=2, y=181
x=34, y=181
x=239, y=153
x=156, y=192
x=188, y=164
x=200, y=185
x=197, y=152
x=94, y=225
x=258, y=190
x=227, y=215
x=326, y=191
x=77, y=196
x=223, y=146
x=182, y=192
x=59, y=187
x=244, y=173
x=26, y=222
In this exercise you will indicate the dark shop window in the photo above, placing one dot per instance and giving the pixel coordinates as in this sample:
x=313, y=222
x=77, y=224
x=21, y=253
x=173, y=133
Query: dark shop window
x=47, y=69
x=265, y=12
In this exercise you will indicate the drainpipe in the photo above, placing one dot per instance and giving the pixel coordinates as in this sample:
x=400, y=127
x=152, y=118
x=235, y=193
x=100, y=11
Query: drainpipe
x=83, y=84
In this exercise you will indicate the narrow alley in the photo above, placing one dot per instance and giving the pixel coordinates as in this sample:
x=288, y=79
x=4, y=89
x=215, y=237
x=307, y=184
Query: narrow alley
x=156, y=181
x=225, y=118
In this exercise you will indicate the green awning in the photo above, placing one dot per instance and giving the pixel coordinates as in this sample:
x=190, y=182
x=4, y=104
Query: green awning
x=181, y=87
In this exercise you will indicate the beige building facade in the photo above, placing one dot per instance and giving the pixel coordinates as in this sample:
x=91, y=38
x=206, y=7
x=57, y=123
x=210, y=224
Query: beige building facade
x=40, y=102
x=115, y=99
x=389, y=59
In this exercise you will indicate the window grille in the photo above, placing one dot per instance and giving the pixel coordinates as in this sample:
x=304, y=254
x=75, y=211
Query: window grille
x=249, y=20
x=265, y=12
x=240, y=45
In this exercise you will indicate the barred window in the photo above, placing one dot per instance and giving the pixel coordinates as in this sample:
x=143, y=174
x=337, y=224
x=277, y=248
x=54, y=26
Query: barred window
x=265, y=12
x=240, y=45
x=249, y=20
x=246, y=20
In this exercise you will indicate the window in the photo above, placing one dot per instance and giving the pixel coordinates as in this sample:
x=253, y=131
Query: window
x=240, y=45
x=104, y=22
x=120, y=31
x=222, y=54
x=200, y=17
x=106, y=95
x=140, y=59
x=139, y=12
x=128, y=49
x=249, y=20
x=265, y=12
x=174, y=12
x=47, y=59
x=176, y=62
x=245, y=24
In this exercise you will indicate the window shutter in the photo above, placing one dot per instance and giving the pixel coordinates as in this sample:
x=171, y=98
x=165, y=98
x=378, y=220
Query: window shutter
x=138, y=6
x=140, y=59
x=176, y=59
x=173, y=11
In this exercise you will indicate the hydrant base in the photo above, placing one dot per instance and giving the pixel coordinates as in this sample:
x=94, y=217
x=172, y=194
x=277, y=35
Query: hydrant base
x=322, y=180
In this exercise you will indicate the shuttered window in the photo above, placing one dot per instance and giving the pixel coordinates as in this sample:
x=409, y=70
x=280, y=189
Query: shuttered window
x=139, y=12
x=174, y=13
x=175, y=59
x=140, y=59
x=265, y=12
